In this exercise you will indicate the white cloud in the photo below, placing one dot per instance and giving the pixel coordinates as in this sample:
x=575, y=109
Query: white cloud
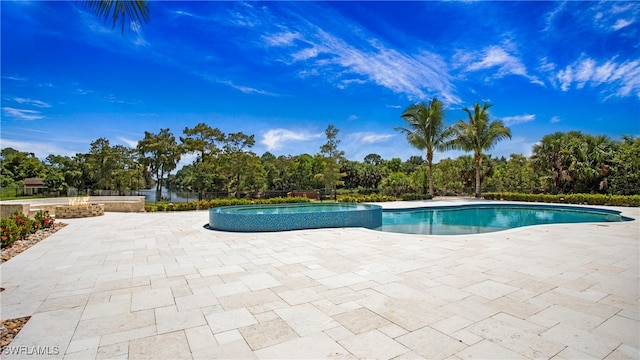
x=518, y=119
x=22, y=114
x=621, y=23
x=41, y=149
x=555, y=119
x=496, y=58
x=36, y=103
x=417, y=75
x=368, y=137
x=546, y=66
x=246, y=89
x=281, y=39
x=14, y=78
x=306, y=54
x=620, y=79
x=275, y=139
x=603, y=16
x=130, y=143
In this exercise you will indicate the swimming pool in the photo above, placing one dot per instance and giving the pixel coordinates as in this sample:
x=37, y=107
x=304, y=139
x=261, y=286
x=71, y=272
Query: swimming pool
x=281, y=217
x=482, y=218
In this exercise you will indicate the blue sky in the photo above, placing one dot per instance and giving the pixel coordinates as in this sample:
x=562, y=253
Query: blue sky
x=283, y=71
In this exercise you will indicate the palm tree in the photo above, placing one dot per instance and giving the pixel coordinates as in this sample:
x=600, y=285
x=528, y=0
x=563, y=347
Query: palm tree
x=477, y=135
x=426, y=130
x=128, y=12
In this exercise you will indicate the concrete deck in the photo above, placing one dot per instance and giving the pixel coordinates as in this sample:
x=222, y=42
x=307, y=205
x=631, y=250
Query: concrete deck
x=160, y=286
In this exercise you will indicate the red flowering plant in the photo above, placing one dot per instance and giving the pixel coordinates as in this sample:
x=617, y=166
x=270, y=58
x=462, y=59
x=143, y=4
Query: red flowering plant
x=44, y=220
x=18, y=226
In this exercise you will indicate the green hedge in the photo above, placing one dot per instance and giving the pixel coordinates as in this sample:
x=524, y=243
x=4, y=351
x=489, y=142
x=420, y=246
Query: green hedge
x=366, y=198
x=208, y=204
x=19, y=227
x=588, y=199
x=410, y=197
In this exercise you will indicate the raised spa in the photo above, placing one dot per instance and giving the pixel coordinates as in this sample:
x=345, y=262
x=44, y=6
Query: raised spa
x=256, y=218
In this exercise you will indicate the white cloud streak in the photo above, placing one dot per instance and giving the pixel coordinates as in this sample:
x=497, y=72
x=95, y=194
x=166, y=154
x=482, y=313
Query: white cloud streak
x=36, y=103
x=22, y=114
x=495, y=58
x=246, y=89
x=621, y=23
x=275, y=139
x=130, y=143
x=621, y=79
x=41, y=149
x=418, y=75
x=518, y=119
x=281, y=39
x=368, y=137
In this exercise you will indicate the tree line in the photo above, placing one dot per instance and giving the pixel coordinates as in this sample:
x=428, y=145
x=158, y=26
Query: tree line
x=571, y=162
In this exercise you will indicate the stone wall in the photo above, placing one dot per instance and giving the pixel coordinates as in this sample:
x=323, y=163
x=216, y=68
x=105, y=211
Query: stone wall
x=30, y=207
x=8, y=209
x=79, y=211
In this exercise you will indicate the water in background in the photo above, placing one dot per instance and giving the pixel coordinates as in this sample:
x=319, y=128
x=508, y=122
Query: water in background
x=150, y=195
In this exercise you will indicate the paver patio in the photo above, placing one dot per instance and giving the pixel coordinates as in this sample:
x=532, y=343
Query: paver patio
x=159, y=285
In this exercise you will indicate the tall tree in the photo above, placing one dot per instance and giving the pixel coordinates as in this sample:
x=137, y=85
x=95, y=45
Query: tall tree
x=426, y=130
x=160, y=153
x=478, y=135
x=201, y=140
x=237, y=164
x=332, y=176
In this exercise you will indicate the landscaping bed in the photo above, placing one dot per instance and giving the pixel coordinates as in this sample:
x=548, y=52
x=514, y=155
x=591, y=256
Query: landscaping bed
x=11, y=327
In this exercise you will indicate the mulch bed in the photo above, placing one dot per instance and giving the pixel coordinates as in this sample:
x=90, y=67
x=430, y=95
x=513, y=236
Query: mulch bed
x=10, y=328
x=22, y=245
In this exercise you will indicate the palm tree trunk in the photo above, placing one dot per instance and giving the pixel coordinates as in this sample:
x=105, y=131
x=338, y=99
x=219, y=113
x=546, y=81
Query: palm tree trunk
x=430, y=160
x=478, y=165
x=430, y=179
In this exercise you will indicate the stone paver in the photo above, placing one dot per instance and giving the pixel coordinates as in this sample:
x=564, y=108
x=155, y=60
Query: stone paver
x=159, y=285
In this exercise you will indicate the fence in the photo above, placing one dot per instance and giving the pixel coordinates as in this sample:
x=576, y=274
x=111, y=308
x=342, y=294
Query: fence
x=187, y=196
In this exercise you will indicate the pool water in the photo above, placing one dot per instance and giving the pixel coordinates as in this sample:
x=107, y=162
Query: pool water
x=470, y=219
x=298, y=208
x=282, y=217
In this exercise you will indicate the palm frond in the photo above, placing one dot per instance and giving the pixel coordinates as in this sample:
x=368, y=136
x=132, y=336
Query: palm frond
x=125, y=12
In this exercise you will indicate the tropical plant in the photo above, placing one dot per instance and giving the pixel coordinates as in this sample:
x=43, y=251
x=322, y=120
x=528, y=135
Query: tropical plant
x=626, y=167
x=426, y=130
x=513, y=175
x=478, y=135
x=127, y=12
x=575, y=162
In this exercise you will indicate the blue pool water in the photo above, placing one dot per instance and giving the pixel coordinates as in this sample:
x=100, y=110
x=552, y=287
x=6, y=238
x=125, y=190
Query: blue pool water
x=257, y=218
x=297, y=208
x=471, y=219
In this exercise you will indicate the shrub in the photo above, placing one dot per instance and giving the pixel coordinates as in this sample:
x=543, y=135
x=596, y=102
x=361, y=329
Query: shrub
x=44, y=219
x=9, y=232
x=409, y=197
x=366, y=198
x=587, y=199
x=18, y=226
x=207, y=204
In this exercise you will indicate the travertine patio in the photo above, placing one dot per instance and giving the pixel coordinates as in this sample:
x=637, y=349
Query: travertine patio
x=159, y=285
